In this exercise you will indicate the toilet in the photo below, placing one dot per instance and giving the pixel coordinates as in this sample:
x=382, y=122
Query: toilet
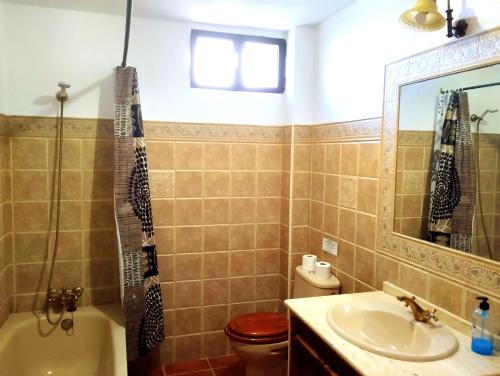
x=261, y=338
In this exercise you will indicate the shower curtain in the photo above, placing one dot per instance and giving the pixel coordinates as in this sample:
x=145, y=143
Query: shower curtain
x=452, y=193
x=139, y=282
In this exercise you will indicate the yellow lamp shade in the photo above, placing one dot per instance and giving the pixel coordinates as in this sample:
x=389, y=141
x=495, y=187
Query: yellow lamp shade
x=424, y=16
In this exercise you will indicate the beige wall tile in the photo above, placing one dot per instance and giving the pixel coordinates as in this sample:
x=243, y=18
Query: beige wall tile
x=215, y=265
x=268, y=236
x=331, y=189
x=188, y=212
x=98, y=215
x=188, y=239
x=243, y=156
x=188, y=156
x=215, y=318
x=447, y=295
x=367, y=196
x=98, y=273
x=368, y=159
x=216, y=238
x=216, y=156
x=302, y=158
x=269, y=157
x=347, y=225
x=349, y=159
x=331, y=220
x=96, y=184
x=266, y=287
x=30, y=185
x=29, y=153
x=163, y=212
x=242, y=237
x=188, y=184
x=365, y=230
x=318, y=158
x=161, y=184
x=267, y=261
x=269, y=210
x=243, y=210
x=160, y=155
x=242, y=289
x=316, y=218
x=216, y=184
x=187, y=294
x=243, y=184
x=300, y=212
x=317, y=186
x=413, y=280
x=187, y=267
x=348, y=192
x=345, y=257
x=269, y=184
x=214, y=344
x=188, y=347
x=332, y=158
x=97, y=154
x=99, y=244
x=31, y=216
x=386, y=269
x=71, y=215
x=216, y=211
x=187, y=321
x=365, y=265
x=242, y=263
x=301, y=185
x=215, y=291
x=414, y=158
x=346, y=283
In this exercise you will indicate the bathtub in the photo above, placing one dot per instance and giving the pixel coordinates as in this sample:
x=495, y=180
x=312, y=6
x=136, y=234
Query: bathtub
x=29, y=346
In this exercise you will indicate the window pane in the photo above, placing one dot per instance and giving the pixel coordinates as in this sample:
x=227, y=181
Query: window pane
x=260, y=65
x=214, y=62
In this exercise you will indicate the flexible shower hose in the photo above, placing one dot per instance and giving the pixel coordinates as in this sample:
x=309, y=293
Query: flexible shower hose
x=58, y=217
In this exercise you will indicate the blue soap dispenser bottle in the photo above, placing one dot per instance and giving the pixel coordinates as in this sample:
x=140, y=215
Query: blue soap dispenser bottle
x=482, y=337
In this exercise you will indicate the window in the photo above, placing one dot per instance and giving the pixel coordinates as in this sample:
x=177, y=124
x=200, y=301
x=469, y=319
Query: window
x=237, y=62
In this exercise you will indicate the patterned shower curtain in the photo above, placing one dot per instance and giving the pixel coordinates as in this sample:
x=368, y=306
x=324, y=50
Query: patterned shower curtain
x=452, y=193
x=139, y=282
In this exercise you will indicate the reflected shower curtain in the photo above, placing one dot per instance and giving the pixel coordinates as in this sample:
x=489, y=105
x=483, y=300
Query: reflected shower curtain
x=452, y=193
x=139, y=281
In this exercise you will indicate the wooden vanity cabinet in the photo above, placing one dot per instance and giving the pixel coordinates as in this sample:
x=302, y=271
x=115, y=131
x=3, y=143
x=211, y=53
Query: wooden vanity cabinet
x=311, y=356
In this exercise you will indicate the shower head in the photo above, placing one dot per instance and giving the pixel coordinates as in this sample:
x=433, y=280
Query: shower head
x=475, y=117
x=61, y=95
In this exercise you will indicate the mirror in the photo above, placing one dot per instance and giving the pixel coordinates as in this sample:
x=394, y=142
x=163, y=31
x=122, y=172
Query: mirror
x=448, y=161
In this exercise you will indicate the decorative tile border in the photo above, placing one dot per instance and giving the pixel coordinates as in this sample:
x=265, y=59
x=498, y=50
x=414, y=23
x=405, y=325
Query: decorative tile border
x=359, y=130
x=33, y=126
x=426, y=138
x=469, y=270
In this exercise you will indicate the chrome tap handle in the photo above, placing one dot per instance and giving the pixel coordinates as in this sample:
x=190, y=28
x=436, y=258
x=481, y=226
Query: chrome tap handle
x=432, y=315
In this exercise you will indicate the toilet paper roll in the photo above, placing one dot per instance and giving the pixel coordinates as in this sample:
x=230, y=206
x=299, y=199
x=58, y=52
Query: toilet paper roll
x=323, y=270
x=309, y=263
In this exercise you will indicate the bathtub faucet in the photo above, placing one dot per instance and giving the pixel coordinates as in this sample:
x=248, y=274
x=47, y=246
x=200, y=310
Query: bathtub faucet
x=67, y=299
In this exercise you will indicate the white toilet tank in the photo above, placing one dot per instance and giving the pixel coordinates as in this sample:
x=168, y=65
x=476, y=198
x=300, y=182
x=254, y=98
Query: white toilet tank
x=308, y=285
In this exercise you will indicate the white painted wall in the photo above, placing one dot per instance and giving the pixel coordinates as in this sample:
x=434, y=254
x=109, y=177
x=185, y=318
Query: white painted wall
x=47, y=45
x=356, y=44
x=419, y=100
x=302, y=75
x=3, y=57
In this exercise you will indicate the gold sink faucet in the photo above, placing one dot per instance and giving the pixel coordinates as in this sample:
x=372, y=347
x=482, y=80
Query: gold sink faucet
x=419, y=314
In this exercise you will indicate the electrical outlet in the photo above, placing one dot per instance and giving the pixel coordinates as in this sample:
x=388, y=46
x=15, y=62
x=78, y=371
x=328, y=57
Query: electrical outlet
x=330, y=246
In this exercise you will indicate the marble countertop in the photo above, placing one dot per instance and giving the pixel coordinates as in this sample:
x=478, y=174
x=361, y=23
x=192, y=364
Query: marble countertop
x=313, y=312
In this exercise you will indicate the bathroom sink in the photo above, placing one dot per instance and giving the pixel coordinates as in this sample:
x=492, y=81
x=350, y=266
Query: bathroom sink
x=387, y=328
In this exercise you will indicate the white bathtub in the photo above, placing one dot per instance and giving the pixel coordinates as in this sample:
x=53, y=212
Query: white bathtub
x=28, y=347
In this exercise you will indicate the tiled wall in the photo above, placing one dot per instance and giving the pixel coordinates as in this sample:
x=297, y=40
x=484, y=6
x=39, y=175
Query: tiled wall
x=234, y=209
x=6, y=243
x=217, y=214
x=342, y=206
x=87, y=252
x=413, y=186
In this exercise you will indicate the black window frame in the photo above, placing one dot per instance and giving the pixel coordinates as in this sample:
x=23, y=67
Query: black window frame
x=239, y=40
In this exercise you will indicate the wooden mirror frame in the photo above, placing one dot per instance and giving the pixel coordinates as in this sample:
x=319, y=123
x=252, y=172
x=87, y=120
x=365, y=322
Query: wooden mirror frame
x=466, y=269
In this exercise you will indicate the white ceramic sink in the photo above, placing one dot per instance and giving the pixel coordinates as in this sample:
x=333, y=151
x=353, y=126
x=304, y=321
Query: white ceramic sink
x=387, y=328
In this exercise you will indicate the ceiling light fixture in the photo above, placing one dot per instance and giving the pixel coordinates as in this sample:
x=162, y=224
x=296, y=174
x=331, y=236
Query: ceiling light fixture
x=424, y=16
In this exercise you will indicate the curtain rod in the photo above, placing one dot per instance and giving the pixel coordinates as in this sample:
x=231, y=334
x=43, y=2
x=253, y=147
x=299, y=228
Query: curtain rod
x=474, y=87
x=127, y=33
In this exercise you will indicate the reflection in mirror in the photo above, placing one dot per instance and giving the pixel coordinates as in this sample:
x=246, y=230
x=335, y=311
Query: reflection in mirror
x=448, y=161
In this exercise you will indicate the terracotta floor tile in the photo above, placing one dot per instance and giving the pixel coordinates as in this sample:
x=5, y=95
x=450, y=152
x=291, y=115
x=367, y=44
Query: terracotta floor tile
x=230, y=371
x=188, y=366
x=225, y=361
x=197, y=373
x=157, y=372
